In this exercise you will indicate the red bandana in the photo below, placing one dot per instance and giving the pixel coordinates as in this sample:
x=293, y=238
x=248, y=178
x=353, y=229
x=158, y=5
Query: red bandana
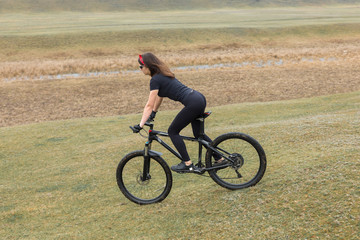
x=141, y=59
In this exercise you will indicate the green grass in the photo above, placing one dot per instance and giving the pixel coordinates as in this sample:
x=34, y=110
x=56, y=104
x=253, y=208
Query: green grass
x=64, y=35
x=84, y=22
x=125, y=5
x=57, y=179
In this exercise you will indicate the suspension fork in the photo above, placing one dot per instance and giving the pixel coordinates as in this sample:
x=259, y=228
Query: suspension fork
x=146, y=168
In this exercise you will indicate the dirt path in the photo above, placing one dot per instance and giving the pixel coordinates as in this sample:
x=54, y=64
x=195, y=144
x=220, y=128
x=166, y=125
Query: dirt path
x=25, y=102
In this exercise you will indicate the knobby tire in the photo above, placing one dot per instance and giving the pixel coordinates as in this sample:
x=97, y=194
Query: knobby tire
x=129, y=174
x=246, y=152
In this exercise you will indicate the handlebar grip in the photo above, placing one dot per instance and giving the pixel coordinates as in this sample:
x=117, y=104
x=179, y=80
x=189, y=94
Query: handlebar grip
x=133, y=129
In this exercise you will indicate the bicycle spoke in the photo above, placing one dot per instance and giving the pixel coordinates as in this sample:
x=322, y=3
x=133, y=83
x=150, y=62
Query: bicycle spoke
x=246, y=164
x=130, y=179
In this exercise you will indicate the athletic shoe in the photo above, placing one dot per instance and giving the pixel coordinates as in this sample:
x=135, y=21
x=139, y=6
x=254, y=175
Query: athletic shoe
x=182, y=168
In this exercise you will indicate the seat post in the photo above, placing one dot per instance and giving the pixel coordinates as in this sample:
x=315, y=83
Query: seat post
x=201, y=138
x=201, y=119
x=202, y=128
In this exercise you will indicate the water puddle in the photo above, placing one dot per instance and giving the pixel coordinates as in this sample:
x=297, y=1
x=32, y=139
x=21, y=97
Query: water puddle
x=184, y=68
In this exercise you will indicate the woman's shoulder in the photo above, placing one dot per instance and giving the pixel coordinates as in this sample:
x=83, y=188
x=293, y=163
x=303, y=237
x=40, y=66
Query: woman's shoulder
x=160, y=77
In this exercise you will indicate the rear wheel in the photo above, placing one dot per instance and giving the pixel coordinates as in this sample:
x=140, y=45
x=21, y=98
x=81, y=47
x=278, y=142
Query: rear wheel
x=247, y=161
x=130, y=178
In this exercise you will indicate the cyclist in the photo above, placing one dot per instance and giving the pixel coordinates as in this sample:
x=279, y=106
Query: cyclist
x=164, y=84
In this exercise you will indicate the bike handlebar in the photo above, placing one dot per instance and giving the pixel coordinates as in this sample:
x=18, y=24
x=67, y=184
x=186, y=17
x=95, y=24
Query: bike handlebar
x=133, y=129
x=149, y=124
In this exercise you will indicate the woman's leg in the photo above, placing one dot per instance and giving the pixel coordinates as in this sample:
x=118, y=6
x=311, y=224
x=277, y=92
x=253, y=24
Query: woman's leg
x=194, y=106
x=196, y=131
x=184, y=118
x=195, y=124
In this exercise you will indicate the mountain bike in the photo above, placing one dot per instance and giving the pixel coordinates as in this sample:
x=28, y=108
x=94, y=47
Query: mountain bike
x=144, y=177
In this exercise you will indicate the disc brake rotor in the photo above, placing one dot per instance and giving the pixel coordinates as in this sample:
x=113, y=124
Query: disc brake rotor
x=140, y=181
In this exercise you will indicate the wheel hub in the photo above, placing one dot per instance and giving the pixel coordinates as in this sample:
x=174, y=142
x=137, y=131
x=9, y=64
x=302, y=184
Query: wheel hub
x=238, y=160
x=139, y=179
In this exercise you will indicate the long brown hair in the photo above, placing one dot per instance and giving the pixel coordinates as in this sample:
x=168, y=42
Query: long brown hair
x=155, y=65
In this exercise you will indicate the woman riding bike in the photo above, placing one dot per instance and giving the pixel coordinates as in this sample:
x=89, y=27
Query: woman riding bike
x=164, y=84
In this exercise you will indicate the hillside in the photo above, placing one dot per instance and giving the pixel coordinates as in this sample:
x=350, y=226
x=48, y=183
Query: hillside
x=124, y=5
x=58, y=178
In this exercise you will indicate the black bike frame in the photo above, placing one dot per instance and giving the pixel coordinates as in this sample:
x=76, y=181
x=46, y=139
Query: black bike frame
x=154, y=136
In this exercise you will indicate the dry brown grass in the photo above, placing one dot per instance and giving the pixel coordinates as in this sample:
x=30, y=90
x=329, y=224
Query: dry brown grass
x=34, y=101
x=196, y=55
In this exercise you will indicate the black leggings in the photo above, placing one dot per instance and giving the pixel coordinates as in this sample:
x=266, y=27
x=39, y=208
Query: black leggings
x=195, y=104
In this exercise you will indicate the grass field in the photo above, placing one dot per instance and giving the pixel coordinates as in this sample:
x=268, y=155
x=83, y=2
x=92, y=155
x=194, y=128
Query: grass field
x=61, y=139
x=85, y=22
x=36, y=44
x=154, y=5
x=58, y=178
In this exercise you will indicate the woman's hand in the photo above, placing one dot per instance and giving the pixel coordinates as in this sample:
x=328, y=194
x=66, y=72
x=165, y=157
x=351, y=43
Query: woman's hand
x=136, y=128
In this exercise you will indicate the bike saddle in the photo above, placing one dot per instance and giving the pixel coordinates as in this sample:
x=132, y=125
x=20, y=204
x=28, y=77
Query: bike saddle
x=203, y=116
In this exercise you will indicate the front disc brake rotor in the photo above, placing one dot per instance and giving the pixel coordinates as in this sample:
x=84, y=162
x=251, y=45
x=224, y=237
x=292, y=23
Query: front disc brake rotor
x=139, y=179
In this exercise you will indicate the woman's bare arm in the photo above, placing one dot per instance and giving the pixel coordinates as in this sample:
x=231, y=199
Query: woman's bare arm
x=149, y=107
x=158, y=102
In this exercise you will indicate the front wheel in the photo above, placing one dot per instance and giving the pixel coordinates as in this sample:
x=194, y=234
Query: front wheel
x=246, y=165
x=139, y=189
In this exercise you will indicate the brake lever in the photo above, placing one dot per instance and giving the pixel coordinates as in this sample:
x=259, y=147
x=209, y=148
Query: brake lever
x=133, y=129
